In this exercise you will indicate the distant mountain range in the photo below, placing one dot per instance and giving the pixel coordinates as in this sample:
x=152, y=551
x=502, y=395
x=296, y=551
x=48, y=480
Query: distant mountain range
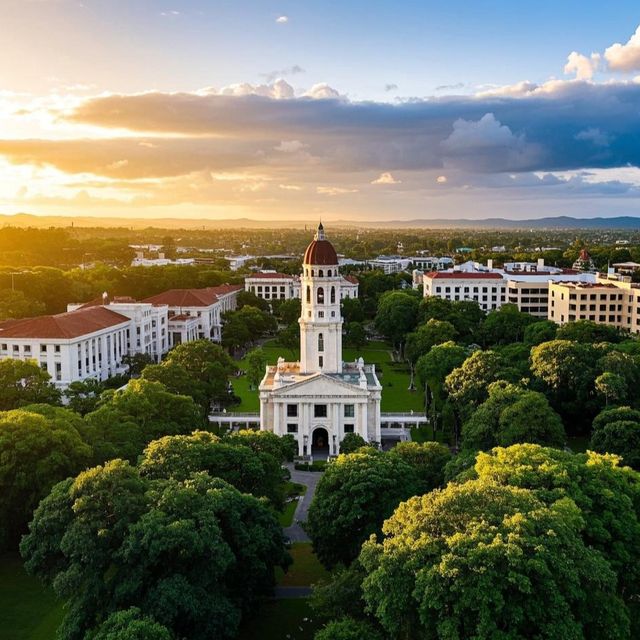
x=560, y=222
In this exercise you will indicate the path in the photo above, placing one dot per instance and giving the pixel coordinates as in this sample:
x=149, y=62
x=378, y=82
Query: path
x=309, y=479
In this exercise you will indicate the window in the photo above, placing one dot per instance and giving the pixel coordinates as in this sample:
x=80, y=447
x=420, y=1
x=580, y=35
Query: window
x=320, y=361
x=320, y=342
x=321, y=273
x=308, y=294
x=349, y=410
x=292, y=428
x=320, y=314
x=319, y=410
x=57, y=348
x=348, y=428
x=292, y=411
x=16, y=348
x=27, y=348
x=43, y=348
x=320, y=295
x=333, y=295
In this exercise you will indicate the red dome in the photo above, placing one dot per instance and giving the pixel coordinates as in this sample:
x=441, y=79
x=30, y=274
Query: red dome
x=320, y=251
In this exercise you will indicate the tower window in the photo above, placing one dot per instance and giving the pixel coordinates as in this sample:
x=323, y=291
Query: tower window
x=321, y=273
x=320, y=342
x=333, y=295
x=320, y=295
x=308, y=294
x=320, y=362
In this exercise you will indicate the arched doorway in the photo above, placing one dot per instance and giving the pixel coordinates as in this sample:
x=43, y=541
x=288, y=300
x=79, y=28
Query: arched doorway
x=320, y=443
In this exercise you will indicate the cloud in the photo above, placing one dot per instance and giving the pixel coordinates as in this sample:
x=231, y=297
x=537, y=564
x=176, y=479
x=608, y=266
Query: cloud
x=169, y=14
x=624, y=57
x=583, y=67
x=390, y=87
x=594, y=136
x=279, y=73
x=450, y=87
x=322, y=91
x=291, y=146
x=441, y=179
x=334, y=191
x=385, y=178
x=290, y=187
x=282, y=19
x=278, y=90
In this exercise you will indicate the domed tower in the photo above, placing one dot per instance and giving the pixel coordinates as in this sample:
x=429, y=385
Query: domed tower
x=320, y=319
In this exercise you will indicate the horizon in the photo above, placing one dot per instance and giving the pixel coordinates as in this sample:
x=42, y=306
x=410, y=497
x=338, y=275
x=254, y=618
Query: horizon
x=271, y=113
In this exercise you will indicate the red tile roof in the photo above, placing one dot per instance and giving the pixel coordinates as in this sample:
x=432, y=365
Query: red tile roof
x=320, y=252
x=98, y=302
x=462, y=275
x=193, y=297
x=352, y=279
x=68, y=325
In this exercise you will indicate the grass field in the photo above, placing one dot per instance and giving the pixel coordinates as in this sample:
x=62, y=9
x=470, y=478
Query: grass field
x=280, y=619
x=394, y=377
x=28, y=611
x=305, y=570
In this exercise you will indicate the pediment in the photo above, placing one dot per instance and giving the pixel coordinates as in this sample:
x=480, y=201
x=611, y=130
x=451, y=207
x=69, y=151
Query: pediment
x=320, y=385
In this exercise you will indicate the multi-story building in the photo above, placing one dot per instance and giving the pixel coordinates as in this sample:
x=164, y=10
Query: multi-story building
x=77, y=345
x=271, y=285
x=525, y=284
x=432, y=263
x=607, y=301
x=207, y=305
x=150, y=323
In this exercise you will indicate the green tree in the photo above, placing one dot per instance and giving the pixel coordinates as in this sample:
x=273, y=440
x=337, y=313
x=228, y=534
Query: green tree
x=24, y=382
x=348, y=629
x=478, y=560
x=249, y=471
x=353, y=498
x=588, y=332
x=505, y=325
x=352, y=310
x=82, y=396
x=427, y=458
x=288, y=311
x=282, y=448
x=355, y=335
x=352, y=442
x=606, y=493
x=256, y=364
x=396, y=316
x=127, y=420
x=249, y=298
x=289, y=337
x=539, y=332
x=617, y=430
x=137, y=362
x=15, y=304
x=178, y=380
x=612, y=386
x=426, y=336
x=35, y=453
x=193, y=555
x=131, y=624
x=512, y=415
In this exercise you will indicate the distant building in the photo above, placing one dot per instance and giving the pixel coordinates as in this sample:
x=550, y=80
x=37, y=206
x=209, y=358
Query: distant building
x=525, y=284
x=160, y=261
x=237, y=262
x=271, y=285
x=584, y=262
x=207, y=305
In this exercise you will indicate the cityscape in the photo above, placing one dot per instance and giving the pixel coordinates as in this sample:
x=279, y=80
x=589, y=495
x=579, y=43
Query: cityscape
x=319, y=321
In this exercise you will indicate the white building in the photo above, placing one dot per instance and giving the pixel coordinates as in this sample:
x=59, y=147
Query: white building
x=321, y=398
x=525, y=284
x=271, y=285
x=77, y=345
x=207, y=305
x=432, y=263
x=150, y=323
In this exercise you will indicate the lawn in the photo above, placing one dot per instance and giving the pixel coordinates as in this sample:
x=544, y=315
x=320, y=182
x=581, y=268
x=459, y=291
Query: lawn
x=278, y=619
x=394, y=377
x=28, y=611
x=305, y=570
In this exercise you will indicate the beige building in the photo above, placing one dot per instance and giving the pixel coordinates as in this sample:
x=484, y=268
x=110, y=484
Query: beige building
x=612, y=302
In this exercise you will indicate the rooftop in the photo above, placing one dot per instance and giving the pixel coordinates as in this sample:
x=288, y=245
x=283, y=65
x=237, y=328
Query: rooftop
x=72, y=324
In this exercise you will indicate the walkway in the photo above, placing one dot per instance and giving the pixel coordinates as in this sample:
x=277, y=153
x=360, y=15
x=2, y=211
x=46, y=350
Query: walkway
x=309, y=479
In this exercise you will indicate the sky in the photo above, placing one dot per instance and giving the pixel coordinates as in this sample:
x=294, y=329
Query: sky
x=340, y=110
